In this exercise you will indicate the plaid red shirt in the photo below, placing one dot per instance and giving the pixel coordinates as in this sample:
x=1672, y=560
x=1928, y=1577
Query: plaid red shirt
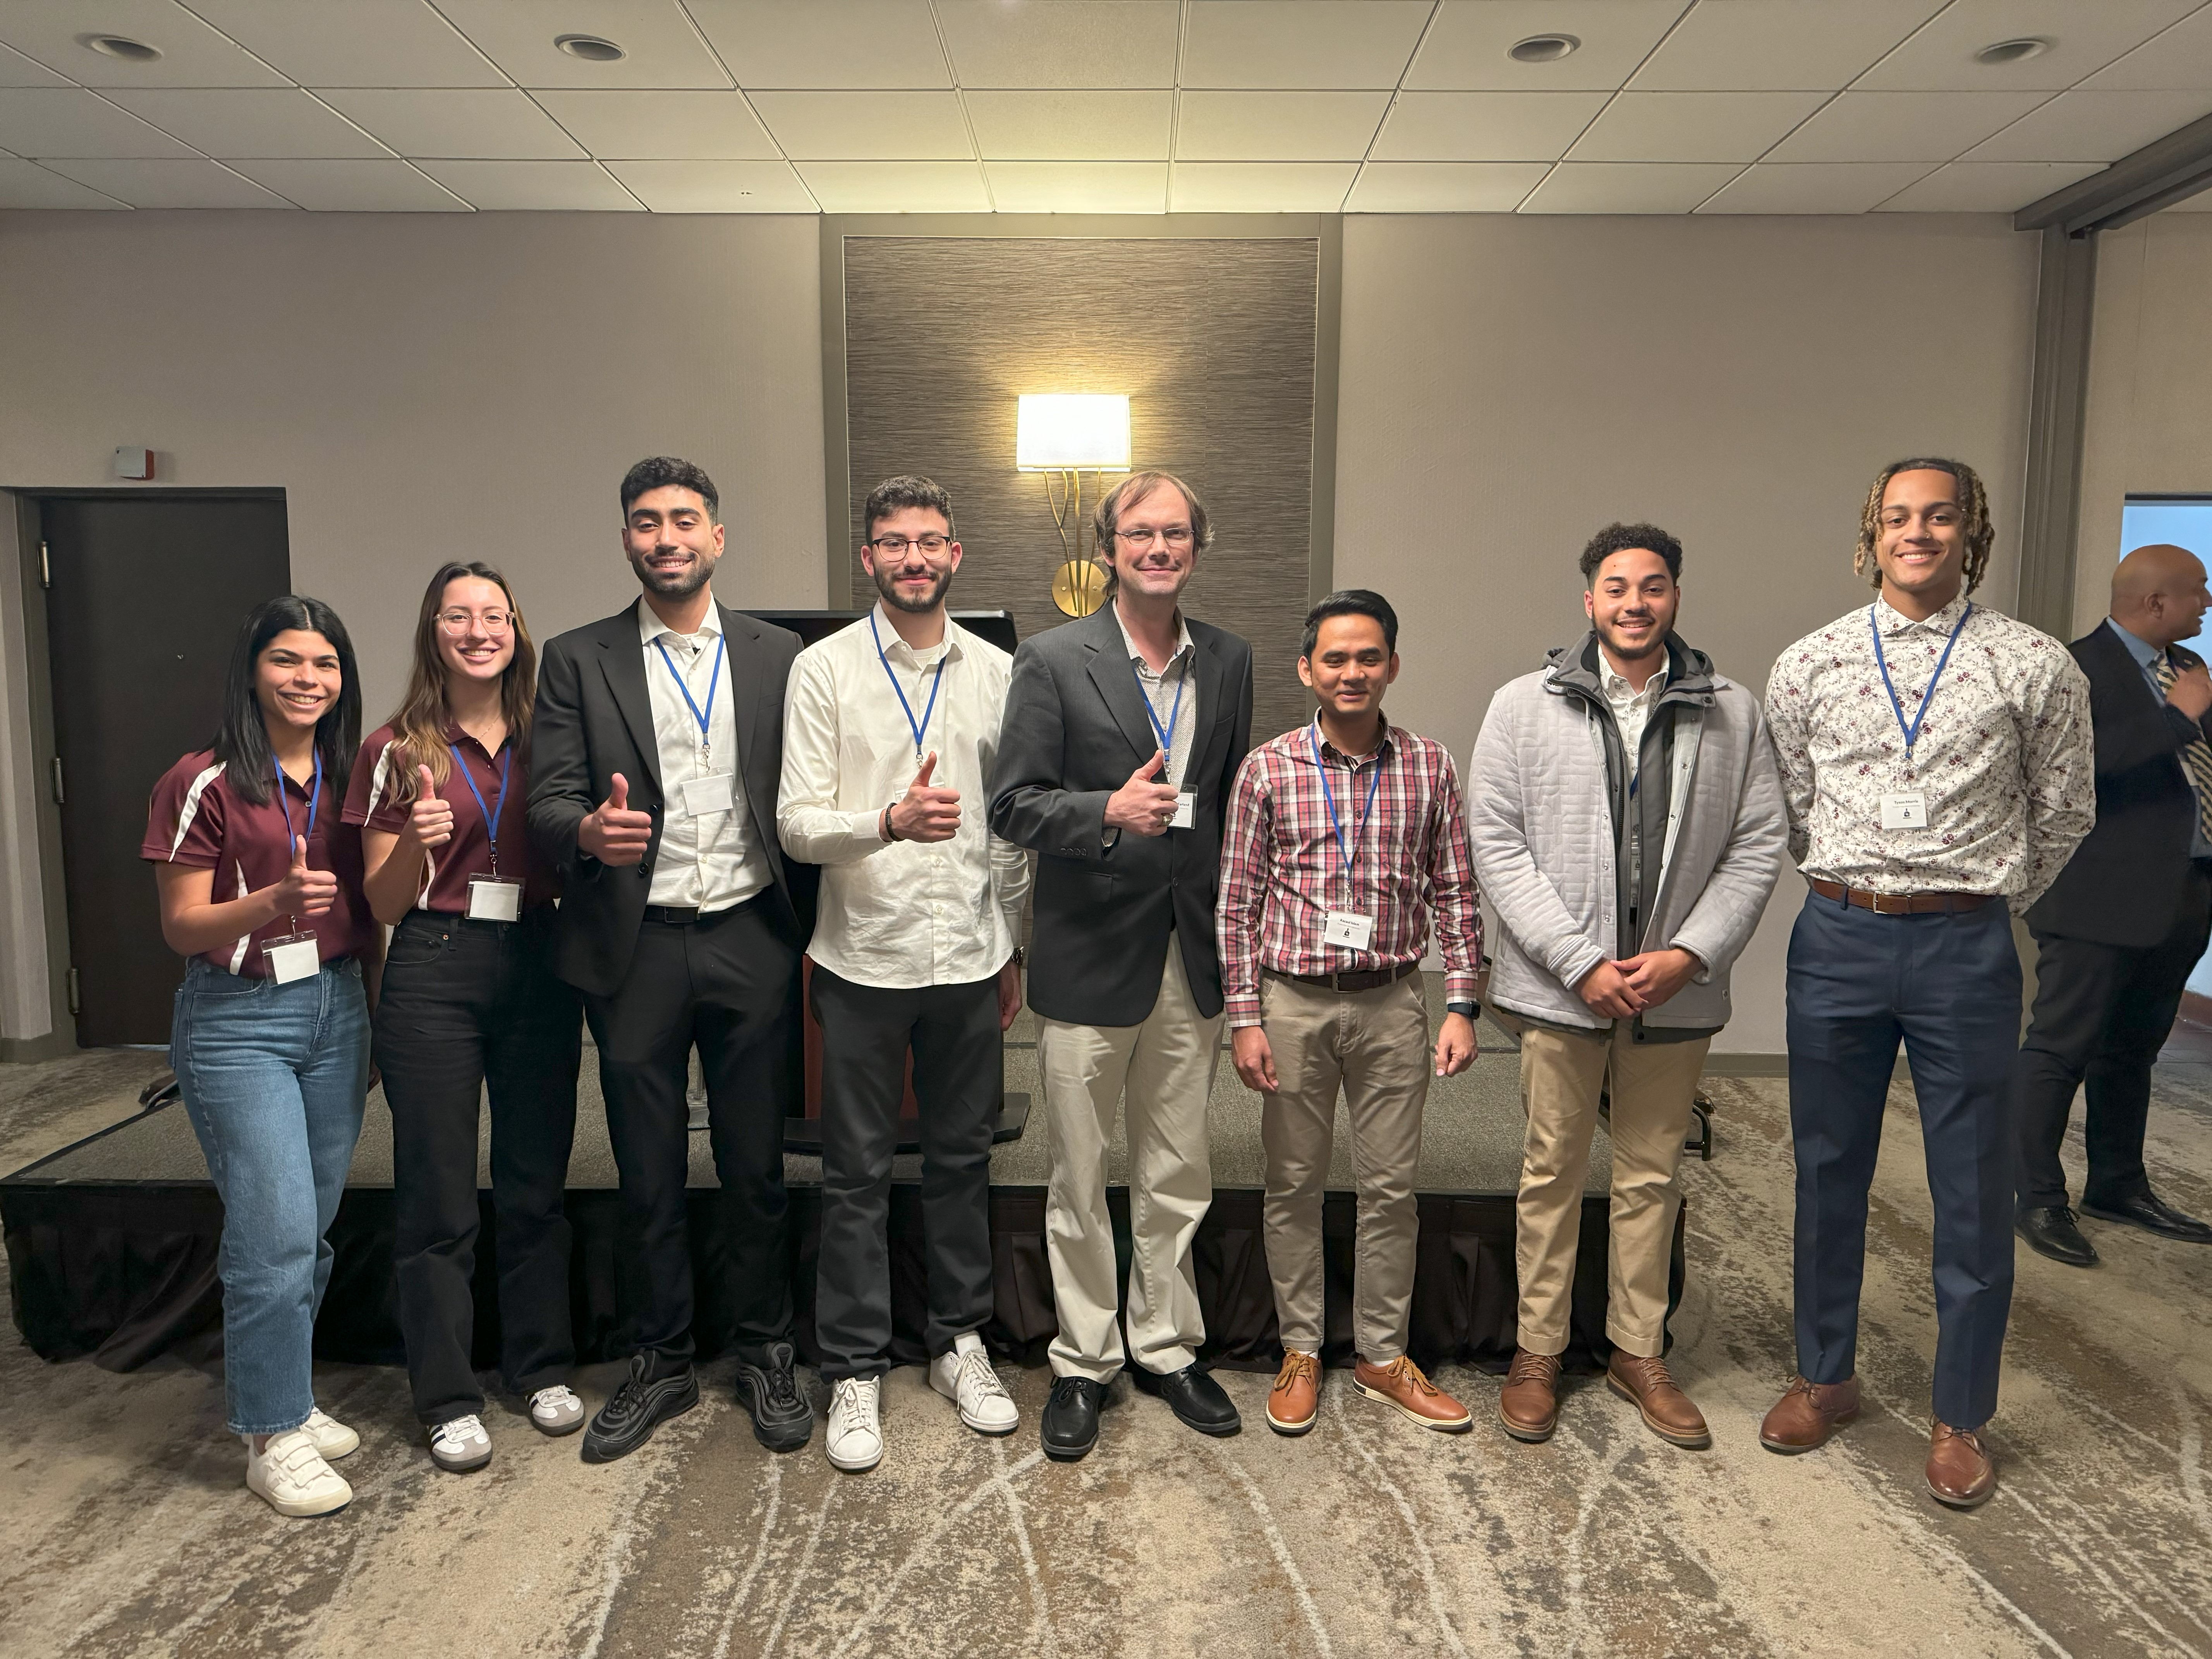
x=1282, y=870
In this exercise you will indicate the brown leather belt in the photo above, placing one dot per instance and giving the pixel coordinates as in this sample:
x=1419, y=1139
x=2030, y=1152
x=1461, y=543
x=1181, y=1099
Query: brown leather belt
x=1903, y=904
x=1366, y=979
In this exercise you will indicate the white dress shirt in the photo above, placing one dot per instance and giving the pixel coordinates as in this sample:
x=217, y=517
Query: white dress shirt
x=903, y=914
x=708, y=860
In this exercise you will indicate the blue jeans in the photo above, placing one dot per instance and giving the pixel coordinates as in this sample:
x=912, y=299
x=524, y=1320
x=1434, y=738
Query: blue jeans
x=274, y=1078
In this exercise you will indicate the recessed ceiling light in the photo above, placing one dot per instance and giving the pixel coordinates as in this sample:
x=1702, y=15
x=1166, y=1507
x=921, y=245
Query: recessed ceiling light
x=592, y=48
x=1542, y=48
x=1999, y=52
x=119, y=45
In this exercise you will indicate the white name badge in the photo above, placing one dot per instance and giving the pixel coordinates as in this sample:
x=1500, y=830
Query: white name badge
x=1346, y=928
x=494, y=898
x=1186, y=812
x=296, y=956
x=701, y=796
x=1904, y=810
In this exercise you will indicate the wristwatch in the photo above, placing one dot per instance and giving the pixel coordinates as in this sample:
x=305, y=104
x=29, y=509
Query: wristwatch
x=1472, y=1010
x=1020, y=957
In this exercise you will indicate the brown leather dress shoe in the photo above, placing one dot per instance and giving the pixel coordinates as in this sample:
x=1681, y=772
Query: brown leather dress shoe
x=1807, y=1413
x=1528, y=1405
x=1668, y=1412
x=1295, y=1400
x=1400, y=1383
x=1960, y=1471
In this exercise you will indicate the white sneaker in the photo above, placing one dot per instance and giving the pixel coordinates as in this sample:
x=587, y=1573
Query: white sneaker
x=556, y=1410
x=331, y=1437
x=291, y=1475
x=855, y=1439
x=965, y=1376
x=460, y=1444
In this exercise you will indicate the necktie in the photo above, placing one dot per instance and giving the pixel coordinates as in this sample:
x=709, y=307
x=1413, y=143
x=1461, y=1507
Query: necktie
x=2196, y=756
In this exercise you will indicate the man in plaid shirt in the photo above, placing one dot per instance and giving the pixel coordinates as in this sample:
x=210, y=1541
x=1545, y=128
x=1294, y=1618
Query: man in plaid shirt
x=1344, y=838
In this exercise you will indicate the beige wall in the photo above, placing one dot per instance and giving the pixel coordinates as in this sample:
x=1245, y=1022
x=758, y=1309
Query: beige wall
x=1511, y=384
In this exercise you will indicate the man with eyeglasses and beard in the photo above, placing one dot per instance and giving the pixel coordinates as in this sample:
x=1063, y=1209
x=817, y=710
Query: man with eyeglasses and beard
x=890, y=728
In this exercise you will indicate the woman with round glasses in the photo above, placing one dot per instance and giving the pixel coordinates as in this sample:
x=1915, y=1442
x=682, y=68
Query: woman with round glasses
x=469, y=998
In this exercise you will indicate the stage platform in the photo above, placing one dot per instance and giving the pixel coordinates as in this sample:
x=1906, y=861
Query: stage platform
x=112, y=1241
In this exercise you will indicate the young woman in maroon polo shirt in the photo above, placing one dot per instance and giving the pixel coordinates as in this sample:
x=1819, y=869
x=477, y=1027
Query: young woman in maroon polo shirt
x=469, y=998
x=260, y=886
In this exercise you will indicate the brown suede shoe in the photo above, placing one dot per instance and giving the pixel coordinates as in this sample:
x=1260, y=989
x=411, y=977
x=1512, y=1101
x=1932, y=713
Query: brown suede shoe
x=1528, y=1405
x=1668, y=1412
x=1400, y=1383
x=1295, y=1400
x=1960, y=1471
x=1807, y=1413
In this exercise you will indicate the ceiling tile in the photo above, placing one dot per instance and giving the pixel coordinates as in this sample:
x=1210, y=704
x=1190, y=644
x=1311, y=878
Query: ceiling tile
x=169, y=184
x=1061, y=43
x=1815, y=186
x=804, y=44
x=2084, y=35
x=360, y=43
x=680, y=187
x=2093, y=126
x=70, y=121
x=867, y=127
x=1071, y=126
x=192, y=54
x=17, y=70
x=1466, y=48
x=238, y=122
x=662, y=125
x=1693, y=126
x=1987, y=186
x=353, y=186
x=2180, y=59
x=534, y=186
x=1486, y=126
x=469, y=125
x=27, y=185
x=660, y=49
x=1778, y=45
x=1628, y=187
x=1290, y=43
x=1443, y=187
x=1259, y=186
x=1079, y=186
x=896, y=186
x=1277, y=126
x=1903, y=126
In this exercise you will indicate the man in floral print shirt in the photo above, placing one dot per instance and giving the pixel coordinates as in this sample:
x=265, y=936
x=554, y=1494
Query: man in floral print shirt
x=1937, y=768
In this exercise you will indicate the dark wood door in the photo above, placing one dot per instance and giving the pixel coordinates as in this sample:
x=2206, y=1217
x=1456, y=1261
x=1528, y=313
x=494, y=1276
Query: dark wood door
x=144, y=597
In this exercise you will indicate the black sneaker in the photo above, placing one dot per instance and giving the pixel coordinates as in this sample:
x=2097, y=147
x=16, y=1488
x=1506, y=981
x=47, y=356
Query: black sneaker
x=636, y=1409
x=1070, y=1429
x=783, y=1420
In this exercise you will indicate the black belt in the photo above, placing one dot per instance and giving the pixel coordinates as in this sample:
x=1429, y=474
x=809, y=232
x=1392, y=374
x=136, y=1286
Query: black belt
x=683, y=915
x=1365, y=979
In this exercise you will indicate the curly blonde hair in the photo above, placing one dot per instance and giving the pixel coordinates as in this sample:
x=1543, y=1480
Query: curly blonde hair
x=1975, y=529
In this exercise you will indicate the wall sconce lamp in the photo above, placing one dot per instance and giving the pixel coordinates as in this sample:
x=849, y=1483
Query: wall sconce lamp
x=1063, y=435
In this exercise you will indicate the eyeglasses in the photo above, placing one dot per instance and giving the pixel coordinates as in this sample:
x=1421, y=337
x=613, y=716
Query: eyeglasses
x=892, y=547
x=1175, y=536
x=492, y=622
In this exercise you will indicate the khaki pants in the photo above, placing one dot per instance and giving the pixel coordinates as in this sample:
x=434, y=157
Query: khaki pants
x=1374, y=1046
x=1652, y=1085
x=1166, y=1065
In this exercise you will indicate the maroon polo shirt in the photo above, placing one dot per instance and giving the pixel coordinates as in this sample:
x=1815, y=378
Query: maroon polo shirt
x=372, y=801
x=197, y=819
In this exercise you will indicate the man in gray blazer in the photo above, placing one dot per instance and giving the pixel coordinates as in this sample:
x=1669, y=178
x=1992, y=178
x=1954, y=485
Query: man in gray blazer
x=1123, y=733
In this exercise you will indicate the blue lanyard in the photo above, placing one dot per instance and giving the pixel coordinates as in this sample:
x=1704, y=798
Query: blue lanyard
x=1912, y=732
x=1350, y=848
x=936, y=684
x=491, y=818
x=714, y=684
x=1165, y=733
x=314, y=801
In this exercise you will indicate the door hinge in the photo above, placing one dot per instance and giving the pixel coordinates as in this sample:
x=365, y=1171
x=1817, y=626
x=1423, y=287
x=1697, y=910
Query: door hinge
x=45, y=568
x=60, y=794
x=76, y=1006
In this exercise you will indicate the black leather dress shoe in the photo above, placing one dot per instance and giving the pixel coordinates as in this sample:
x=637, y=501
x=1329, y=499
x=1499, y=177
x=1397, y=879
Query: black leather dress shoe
x=767, y=1387
x=636, y=1408
x=2051, y=1232
x=1071, y=1417
x=1198, y=1401
x=2147, y=1211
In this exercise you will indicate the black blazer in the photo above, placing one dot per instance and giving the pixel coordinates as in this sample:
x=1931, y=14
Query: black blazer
x=593, y=719
x=2125, y=882
x=1075, y=729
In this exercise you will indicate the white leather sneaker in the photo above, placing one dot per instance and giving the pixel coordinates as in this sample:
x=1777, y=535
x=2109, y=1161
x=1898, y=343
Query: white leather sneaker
x=331, y=1437
x=291, y=1476
x=964, y=1375
x=460, y=1444
x=855, y=1439
x=556, y=1410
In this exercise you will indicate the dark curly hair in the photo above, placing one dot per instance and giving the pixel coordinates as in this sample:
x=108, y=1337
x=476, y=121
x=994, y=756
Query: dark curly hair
x=1620, y=537
x=658, y=471
x=1975, y=528
x=908, y=490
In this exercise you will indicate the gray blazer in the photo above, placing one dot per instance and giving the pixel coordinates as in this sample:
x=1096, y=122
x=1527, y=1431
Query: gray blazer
x=1075, y=728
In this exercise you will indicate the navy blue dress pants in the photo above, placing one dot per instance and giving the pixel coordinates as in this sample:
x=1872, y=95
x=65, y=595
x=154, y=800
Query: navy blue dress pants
x=1948, y=986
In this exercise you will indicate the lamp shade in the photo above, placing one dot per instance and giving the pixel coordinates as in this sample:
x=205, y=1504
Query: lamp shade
x=1059, y=432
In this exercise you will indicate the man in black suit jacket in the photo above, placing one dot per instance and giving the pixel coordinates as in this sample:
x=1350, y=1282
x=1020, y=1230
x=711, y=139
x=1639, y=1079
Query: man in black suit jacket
x=655, y=756
x=2120, y=930
x=1122, y=735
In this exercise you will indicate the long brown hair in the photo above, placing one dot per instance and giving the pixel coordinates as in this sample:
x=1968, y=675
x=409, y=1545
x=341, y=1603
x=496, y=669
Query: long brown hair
x=418, y=725
x=1975, y=529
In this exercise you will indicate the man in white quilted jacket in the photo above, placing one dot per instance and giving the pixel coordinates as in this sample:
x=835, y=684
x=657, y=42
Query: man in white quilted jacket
x=1627, y=819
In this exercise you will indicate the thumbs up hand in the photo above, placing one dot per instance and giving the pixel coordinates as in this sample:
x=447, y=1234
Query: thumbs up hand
x=926, y=812
x=305, y=892
x=429, y=821
x=1142, y=807
x=612, y=832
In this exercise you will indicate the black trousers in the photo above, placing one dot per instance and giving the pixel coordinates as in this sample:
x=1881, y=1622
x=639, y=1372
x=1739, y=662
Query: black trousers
x=466, y=1005
x=728, y=984
x=957, y=1083
x=2102, y=1012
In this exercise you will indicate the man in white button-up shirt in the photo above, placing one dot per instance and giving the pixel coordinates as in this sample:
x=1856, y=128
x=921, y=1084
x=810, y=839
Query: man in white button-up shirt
x=890, y=728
